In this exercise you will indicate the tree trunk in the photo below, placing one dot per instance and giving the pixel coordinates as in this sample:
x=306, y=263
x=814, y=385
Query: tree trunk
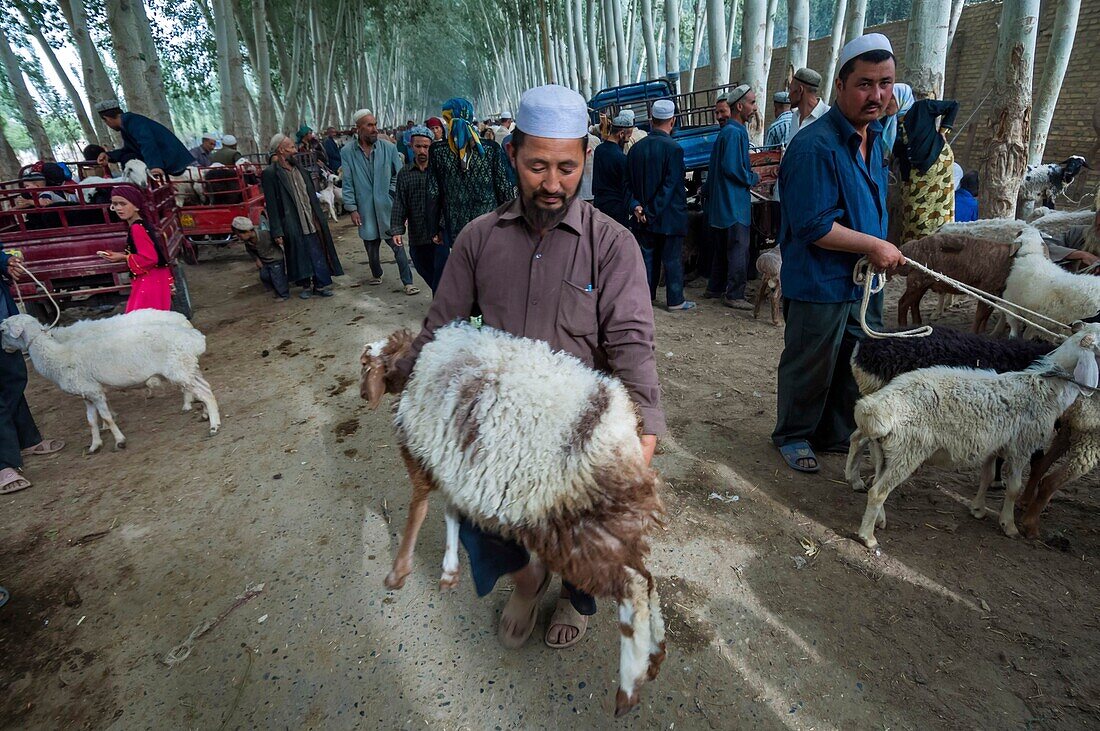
x=733, y=32
x=696, y=43
x=956, y=13
x=716, y=42
x=74, y=96
x=769, y=48
x=262, y=67
x=151, y=61
x=9, y=161
x=611, y=56
x=225, y=84
x=570, y=38
x=97, y=85
x=584, y=62
x=649, y=37
x=926, y=48
x=835, y=40
x=620, y=40
x=798, y=32
x=1062, y=36
x=754, y=29
x=1011, y=117
x=672, y=36
x=593, y=39
x=244, y=130
x=23, y=99
x=857, y=16
x=544, y=26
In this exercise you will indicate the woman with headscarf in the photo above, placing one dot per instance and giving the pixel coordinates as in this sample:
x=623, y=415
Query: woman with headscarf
x=145, y=255
x=901, y=103
x=467, y=178
x=925, y=165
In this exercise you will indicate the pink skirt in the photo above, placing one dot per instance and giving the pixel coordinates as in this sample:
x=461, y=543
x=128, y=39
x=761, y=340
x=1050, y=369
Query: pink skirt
x=151, y=291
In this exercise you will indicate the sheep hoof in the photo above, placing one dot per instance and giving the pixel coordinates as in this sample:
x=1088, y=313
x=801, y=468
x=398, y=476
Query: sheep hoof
x=94, y=448
x=1010, y=530
x=1030, y=528
x=869, y=541
x=880, y=520
x=120, y=445
x=978, y=511
x=858, y=485
x=448, y=581
x=214, y=430
x=624, y=703
x=394, y=580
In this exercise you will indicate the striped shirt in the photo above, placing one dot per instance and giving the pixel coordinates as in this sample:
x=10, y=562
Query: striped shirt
x=777, y=130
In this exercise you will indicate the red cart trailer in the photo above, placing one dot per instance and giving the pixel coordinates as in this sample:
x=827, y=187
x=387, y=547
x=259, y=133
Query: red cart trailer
x=58, y=243
x=208, y=210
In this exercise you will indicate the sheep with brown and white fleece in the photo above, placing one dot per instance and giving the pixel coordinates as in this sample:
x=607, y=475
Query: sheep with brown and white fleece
x=979, y=262
x=533, y=445
x=769, y=264
x=963, y=416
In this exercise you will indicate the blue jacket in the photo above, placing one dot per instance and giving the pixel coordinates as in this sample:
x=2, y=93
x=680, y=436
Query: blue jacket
x=729, y=178
x=332, y=152
x=823, y=179
x=149, y=140
x=609, y=190
x=655, y=178
x=370, y=189
x=7, y=304
x=966, y=206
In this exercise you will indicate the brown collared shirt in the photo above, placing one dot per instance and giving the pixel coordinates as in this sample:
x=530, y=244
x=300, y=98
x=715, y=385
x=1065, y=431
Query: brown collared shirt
x=552, y=290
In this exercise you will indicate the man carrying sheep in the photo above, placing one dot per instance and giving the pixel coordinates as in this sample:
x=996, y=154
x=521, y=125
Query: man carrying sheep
x=833, y=191
x=548, y=266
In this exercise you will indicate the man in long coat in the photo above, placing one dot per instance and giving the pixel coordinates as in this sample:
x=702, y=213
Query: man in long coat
x=297, y=223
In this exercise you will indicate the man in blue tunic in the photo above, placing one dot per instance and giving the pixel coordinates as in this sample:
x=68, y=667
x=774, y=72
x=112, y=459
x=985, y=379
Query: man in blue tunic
x=833, y=191
x=610, y=193
x=728, y=208
x=144, y=139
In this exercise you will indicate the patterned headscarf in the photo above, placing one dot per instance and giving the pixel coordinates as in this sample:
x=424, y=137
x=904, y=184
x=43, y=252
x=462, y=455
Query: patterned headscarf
x=458, y=115
x=904, y=94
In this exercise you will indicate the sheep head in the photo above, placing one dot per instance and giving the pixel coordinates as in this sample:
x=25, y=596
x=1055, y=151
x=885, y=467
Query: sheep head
x=17, y=332
x=378, y=375
x=136, y=172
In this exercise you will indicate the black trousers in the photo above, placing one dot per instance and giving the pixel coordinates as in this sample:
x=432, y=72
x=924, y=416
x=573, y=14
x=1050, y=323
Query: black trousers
x=817, y=393
x=17, y=428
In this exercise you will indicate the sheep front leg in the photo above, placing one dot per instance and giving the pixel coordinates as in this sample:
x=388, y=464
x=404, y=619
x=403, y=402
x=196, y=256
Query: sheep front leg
x=449, y=578
x=93, y=421
x=1015, y=484
x=1081, y=459
x=100, y=401
x=977, y=505
x=418, y=509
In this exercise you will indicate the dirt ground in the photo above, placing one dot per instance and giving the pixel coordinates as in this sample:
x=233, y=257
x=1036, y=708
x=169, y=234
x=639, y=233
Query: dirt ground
x=776, y=617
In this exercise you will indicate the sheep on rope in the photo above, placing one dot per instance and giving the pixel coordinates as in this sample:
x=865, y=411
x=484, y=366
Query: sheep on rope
x=963, y=416
x=131, y=354
x=535, y=446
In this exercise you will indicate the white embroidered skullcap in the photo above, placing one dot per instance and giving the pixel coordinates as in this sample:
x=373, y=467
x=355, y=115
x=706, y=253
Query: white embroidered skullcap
x=663, y=109
x=781, y=97
x=554, y=112
x=242, y=223
x=229, y=140
x=106, y=105
x=628, y=114
x=862, y=45
x=505, y=115
x=210, y=136
x=737, y=93
x=359, y=114
x=623, y=120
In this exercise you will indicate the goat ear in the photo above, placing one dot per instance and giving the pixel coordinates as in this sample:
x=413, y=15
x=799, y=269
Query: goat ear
x=1086, y=370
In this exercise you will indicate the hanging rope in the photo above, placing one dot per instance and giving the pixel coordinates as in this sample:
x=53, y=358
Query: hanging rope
x=49, y=295
x=863, y=275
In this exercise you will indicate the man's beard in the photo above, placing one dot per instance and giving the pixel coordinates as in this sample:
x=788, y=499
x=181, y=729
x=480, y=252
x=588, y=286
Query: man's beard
x=544, y=219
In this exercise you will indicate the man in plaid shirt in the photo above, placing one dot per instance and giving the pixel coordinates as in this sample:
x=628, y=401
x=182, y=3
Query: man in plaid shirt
x=410, y=205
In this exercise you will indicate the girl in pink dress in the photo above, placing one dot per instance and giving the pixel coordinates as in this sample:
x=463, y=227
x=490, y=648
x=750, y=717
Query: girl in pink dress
x=151, y=286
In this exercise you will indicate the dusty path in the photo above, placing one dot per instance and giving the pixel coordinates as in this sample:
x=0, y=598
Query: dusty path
x=951, y=626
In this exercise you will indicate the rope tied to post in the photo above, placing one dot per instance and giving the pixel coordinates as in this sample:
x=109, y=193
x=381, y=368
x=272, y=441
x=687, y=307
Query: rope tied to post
x=874, y=282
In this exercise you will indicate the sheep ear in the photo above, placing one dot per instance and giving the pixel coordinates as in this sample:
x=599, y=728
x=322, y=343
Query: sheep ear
x=1076, y=326
x=1086, y=372
x=15, y=329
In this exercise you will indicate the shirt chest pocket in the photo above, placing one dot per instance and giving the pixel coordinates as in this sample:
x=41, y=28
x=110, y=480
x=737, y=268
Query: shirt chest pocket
x=577, y=309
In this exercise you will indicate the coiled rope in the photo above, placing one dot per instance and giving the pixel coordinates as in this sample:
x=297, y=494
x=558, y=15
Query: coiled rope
x=873, y=282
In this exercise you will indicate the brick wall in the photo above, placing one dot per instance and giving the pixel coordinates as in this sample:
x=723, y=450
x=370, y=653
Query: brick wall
x=969, y=64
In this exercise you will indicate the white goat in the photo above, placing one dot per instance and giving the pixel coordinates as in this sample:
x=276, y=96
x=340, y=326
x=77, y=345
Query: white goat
x=1042, y=184
x=329, y=195
x=129, y=355
x=1037, y=283
x=534, y=445
x=963, y=417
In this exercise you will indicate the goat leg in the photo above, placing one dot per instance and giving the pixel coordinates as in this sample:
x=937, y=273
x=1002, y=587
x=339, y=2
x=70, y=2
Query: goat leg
x=418, y=509
x=1081, y=461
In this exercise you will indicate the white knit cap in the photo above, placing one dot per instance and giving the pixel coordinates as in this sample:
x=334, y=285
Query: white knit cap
x=229, y=140
x=242, y=223
x=276, y=141
x=737, y=93
x=505, y=115
x=623, y=120
x=210, y=136
x=663, y=109
x=862, y=45
x=554, y=112
x=359, y=114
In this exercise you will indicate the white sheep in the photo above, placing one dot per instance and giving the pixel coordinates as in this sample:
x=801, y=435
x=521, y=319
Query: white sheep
x=963, y=417
x=130, y=355
x=1040, y=285
x=534, y=445
x=134, y=172
x=1003, y=230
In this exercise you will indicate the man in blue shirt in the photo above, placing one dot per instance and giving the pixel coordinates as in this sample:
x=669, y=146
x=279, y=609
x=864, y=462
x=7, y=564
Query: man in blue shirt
x=966, y=198
x=144, y=139
x=728, y=207
x=833, y=191
x=655, y=176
